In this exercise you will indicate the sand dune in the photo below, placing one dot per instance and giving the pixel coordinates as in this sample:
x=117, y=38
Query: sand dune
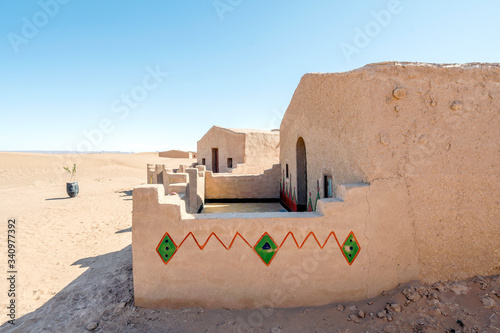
x=75, y=264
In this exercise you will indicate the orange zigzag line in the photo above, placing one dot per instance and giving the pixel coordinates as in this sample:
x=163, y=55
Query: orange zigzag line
x=290, y=233
x=308, y=235
x=213, y=234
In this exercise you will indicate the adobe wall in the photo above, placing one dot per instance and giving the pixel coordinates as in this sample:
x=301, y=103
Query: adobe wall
x=231, y=186
x=230, y=144
x=261, y=153
x=351, y=248
x=434, y=128
x=195, y=190
x=176, y=154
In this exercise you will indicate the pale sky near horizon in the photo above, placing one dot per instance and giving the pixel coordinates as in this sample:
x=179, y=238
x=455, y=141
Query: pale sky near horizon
x=156, y=75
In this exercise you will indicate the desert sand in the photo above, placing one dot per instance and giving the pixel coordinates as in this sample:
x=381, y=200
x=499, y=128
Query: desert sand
x=74, y=265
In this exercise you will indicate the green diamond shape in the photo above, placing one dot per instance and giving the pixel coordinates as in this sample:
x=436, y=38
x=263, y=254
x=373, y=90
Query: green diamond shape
x=266, y=248
x=351, y=248
x=166, y=248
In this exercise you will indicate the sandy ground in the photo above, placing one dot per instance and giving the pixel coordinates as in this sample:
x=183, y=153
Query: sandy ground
x=74, y=265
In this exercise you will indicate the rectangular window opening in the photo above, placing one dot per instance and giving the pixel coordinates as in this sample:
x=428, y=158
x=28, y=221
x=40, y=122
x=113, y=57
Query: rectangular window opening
x=286, y=171
x=327, y=186
x=229, y=162
x=202, y=161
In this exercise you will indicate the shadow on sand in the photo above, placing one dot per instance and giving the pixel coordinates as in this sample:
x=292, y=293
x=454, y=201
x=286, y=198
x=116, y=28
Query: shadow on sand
x=124, y=230
x=125, y=194
x=91, y=297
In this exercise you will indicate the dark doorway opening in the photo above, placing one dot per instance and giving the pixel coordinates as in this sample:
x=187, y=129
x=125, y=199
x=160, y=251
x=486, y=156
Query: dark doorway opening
x=215, y=160
x=301, y=176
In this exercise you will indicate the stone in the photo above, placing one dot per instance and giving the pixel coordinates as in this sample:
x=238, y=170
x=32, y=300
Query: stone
x=487, y=301
x=381, y=314
x=439, y=286
x=340, y=308
x=411, y=294
x=355, y=319
x=459, y=288
x=482, y=282
x=396, y=307
x=361, y=313
x=433, y=301
x=422, y=291
x=353, y=308
x=91, y=326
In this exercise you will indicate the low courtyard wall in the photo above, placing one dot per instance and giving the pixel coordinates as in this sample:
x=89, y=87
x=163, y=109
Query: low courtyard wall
x=231, y=186
x=353, y=247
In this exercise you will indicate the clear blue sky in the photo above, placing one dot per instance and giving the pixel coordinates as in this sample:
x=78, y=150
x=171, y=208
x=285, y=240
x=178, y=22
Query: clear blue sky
x=72, y=66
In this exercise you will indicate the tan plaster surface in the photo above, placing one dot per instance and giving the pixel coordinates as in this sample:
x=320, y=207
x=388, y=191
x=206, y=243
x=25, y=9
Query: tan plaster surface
x=229, y=186
x=252, y=151
x=440, y=138
x=237, y=278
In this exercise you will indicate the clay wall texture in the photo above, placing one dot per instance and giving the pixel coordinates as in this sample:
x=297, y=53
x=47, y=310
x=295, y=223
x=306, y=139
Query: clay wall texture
x=212, y=262
x=252, y=151
x=230, y=186
x=177, y=154
x=413, y=152
x=434, y=128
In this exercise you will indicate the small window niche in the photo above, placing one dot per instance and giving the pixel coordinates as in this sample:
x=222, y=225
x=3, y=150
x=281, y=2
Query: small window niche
x=230, y=163
x=286, y=171
x=328, y=186
x=203, y=161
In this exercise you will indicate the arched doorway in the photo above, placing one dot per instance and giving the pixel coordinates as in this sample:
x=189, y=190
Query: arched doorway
x=301, y=176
